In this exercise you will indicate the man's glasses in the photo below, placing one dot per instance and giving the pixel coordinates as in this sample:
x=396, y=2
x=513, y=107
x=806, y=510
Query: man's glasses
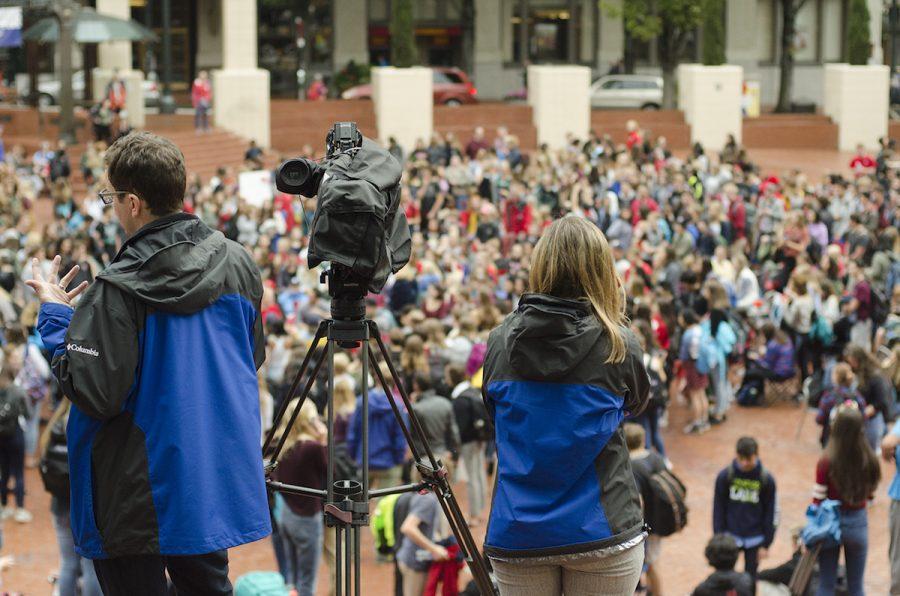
x=107, y=196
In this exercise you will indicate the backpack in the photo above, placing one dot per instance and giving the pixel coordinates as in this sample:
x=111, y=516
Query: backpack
x=821, y=331
x=9, y=412
x=749, y=394
x=481, y=423
x=740, y=332
x=344, y=466
x=667, y=508
x=881, y=307
x=260, y=583
x=709, y=355
x=659, y=394
x=54, y=464
x=383, y=524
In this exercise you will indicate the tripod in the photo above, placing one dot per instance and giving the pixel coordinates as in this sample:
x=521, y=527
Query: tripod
x=347, y=500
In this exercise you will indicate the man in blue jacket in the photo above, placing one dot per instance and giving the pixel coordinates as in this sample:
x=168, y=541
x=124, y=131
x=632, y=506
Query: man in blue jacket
x=744, y=504
x=159, y=360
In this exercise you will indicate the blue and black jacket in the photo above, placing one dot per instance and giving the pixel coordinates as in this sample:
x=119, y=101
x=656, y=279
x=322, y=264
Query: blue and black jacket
x=564, y=482
x=160, y=361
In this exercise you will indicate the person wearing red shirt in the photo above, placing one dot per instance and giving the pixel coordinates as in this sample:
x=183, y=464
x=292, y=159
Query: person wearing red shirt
x=317, y=90
x=517, y=212
x=862, y=163
x=737, y=215
x=634, y=138
x=644, y=203
x=201, y=100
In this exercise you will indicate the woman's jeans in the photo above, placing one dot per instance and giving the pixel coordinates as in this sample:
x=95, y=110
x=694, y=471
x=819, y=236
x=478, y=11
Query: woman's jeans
x=855, y=542
x=302, y=537
x=12, y=465
x=71, y=564
x=572, y=575
x=875, y=432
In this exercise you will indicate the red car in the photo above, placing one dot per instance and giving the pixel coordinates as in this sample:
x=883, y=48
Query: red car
x=452, y=87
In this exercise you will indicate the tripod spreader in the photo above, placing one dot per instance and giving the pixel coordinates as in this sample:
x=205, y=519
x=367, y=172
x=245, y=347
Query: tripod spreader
x=347, y=515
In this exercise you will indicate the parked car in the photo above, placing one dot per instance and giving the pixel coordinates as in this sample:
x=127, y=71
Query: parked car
x=627, y=91
x=49, y=88
x=452, y=87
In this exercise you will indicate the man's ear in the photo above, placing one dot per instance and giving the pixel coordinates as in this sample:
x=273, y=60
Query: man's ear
x=138, y=207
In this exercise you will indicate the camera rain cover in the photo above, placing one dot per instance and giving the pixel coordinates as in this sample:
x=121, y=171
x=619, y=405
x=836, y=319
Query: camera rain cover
x=358, y=221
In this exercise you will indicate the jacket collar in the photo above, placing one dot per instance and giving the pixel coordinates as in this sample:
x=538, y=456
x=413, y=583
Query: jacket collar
x=579, y=306
x=157, y=224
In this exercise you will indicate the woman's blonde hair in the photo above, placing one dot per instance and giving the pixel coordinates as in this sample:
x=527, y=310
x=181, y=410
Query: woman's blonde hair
x=303, y=428
x=344, y=396
x=572, y=260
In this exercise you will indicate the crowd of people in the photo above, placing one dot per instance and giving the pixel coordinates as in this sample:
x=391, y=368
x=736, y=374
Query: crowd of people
x=740, y=287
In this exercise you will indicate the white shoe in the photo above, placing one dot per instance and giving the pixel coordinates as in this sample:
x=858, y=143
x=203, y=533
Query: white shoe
x=22, y=516
x=6, y=513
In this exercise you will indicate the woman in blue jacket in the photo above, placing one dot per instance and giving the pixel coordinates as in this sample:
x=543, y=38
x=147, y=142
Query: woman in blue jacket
x=561, y=373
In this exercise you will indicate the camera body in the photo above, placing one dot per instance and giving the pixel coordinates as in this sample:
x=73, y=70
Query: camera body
x=358, y=227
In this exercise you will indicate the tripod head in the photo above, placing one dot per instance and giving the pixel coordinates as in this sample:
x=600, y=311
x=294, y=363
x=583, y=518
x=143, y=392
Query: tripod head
x=348, y=295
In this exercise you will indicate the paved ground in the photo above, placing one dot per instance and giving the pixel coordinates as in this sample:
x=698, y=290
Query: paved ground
x=697, y=460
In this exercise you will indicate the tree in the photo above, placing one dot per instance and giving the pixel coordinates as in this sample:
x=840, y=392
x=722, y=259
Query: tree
x=859, y=46
x=403, y=37
x=673, y=23
x=714, y=32
x=789, y=11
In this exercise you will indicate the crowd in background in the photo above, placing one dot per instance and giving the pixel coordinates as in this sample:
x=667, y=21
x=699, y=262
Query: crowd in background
x=742, y=287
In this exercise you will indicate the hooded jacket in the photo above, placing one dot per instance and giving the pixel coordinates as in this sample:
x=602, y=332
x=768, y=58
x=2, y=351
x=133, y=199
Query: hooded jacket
x=387, y=444
x=160, y=361
x=564, y=482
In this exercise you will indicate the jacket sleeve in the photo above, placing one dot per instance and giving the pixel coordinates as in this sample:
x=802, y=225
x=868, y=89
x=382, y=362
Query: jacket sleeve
x=770, y=507
x=637, y=382
x=259, y=340
x=720, y=504
x=94, y=349
x=399, y=439
x=353, y=431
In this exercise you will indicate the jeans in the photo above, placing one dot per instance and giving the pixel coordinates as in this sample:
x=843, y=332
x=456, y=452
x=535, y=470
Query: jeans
x=894, y=548
x=32, y=428
x=71, y=564
x=722, y=389
x=875, y=432
x=201, y=117
x=650, y=421
x=146, y=574
x=472, y=454
x=302, y=537
x=855, y=542
x=578, y=575
x=12, y=465
x=751, y=561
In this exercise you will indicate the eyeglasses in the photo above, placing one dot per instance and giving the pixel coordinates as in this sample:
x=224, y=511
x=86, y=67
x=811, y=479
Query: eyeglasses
x=107, y=195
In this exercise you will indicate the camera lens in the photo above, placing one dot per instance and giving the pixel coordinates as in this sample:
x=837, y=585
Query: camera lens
x=292, y=175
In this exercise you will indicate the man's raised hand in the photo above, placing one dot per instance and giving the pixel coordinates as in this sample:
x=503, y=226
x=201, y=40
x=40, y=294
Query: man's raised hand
x=51, y=291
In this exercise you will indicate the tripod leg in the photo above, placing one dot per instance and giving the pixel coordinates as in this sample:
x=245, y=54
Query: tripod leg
x=306, y=389
x=357, y=573
x=413, y=421
x=438, y=480
x=339, y=563
x=320, y=334
x=394, y=407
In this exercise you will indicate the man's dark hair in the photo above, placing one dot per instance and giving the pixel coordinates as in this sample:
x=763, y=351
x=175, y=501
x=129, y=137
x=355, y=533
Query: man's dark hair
x=422, y=381
x=722, y=552
x=150, y=167
x=456, y=374
x=747, y=447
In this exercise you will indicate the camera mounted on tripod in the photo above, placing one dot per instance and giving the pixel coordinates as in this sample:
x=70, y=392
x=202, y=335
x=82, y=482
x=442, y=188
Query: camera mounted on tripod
x=358, y=226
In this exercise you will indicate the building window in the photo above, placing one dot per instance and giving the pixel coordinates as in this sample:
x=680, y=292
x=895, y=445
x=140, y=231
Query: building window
x=818, y=31
x=548, y=33
x=806, y=34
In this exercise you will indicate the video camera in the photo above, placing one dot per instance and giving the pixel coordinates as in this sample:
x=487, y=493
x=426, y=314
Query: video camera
x=358, y=226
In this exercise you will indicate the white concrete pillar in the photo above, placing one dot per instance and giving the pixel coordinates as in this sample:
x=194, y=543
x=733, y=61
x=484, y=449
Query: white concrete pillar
x=209, y=34
x=876, y=14
x=351, y=36
x=612, y=33
x=560, y=101
x=116, y=55
x=488, y=49
x=856, y=99
x=740, y=39
x=710, y=97
x=240, y=89
x=404, y=105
